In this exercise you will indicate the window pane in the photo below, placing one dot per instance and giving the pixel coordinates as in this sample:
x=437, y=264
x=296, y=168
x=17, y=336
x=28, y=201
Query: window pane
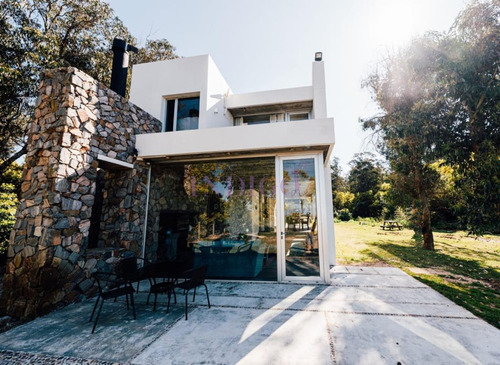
x=257, y=119
x=169, y=125
x=188, y=112
x=299, y=116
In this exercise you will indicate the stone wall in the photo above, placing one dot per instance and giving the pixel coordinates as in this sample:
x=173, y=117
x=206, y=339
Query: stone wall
x=123, y=212
x=167, y=193
x=76, y=120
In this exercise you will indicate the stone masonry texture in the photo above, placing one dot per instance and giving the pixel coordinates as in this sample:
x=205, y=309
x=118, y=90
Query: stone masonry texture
x=76, y=120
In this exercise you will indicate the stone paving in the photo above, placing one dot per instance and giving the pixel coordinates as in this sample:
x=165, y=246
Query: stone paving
x=367, y=316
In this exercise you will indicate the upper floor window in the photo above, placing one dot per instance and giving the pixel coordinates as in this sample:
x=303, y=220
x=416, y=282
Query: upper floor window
x=257, y=119
x=271, y=118
x=293, y=116
x=182, y=114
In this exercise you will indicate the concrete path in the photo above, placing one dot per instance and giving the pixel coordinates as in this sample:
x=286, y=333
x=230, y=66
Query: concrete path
x=367, y=316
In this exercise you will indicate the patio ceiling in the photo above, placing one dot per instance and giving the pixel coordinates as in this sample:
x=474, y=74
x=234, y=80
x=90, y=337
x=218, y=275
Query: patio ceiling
x=272, y=108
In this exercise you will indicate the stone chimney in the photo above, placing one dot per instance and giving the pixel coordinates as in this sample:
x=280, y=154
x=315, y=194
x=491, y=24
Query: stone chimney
x=80, y=126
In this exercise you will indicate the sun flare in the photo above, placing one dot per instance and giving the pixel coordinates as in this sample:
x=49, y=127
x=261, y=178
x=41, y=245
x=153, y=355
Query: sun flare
x=395, y=22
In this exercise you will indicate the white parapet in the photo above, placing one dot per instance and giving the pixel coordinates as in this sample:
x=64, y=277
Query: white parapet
x=286, y=136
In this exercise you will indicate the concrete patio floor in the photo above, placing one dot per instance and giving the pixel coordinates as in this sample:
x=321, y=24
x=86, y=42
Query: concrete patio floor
x=368, y=315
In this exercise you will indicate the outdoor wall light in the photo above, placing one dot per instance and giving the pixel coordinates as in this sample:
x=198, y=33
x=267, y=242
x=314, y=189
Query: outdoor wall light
x=318, y=56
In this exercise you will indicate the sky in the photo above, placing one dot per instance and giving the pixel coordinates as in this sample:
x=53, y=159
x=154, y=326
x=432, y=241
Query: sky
x=270, y=44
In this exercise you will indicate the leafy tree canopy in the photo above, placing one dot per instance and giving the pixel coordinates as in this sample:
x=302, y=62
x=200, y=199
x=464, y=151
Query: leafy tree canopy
x=338, y=181
x=366, y=173
x=365, y=180
x=44, y=34
x=469, y=77
x=9, y=181
x=440, y=101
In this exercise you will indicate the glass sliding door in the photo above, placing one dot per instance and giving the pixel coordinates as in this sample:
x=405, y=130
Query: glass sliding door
x=298, y=205
x=220, y=214
x=248, y=219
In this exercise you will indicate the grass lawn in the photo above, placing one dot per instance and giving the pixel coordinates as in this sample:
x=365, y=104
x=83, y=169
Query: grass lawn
x=464, y=269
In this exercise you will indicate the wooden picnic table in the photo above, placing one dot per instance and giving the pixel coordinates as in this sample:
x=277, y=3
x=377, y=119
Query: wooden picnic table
x=390, y=225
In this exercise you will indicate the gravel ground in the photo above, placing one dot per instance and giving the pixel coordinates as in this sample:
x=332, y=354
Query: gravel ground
x=22, y=358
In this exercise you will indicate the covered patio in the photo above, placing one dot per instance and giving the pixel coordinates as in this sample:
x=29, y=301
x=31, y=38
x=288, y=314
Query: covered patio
x=367, y=315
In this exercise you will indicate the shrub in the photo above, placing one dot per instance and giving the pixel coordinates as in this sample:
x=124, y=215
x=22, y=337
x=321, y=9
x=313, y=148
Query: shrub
x=9, y=187
x=345, y=215
x=404, y=217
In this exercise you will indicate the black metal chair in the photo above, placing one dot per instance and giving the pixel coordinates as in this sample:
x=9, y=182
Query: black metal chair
x=128, y=269
x=162, y=278
x=194, y=278
x=111, y=288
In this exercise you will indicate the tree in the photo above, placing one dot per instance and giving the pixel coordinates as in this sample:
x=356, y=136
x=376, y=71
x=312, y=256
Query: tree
x=444, y=202
x=365, y=179
x=470, y=141
x=440, y=100
x=405, y=90
x=10, y=179
x=341, y=196
x=44, y=34
x=447, y=201
x=365, y=174
x=338, y=181
x=153, y=50
x=343, y=200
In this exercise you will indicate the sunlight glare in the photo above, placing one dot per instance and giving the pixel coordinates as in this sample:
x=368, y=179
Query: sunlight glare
x=394, y=22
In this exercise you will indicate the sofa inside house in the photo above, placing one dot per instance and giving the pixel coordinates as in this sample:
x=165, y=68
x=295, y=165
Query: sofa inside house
x=231, y=257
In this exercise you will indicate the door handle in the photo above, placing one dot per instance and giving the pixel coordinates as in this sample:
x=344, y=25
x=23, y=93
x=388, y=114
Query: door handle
x=282, y=235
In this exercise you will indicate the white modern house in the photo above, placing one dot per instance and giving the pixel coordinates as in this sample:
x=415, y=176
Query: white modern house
x=238, y=181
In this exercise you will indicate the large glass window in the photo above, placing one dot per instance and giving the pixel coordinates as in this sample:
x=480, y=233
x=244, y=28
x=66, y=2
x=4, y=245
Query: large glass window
x=182, y=114
x=257, y=119
x=228, y=212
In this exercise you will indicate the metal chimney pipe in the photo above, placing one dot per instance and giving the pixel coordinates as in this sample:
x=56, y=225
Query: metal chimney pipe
x=120, y=65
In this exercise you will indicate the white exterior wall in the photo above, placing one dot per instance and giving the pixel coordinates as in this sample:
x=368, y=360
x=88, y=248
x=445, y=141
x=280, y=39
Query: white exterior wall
x=152, y=82
x=255, y=138
x=330, y=228
x=319, y=90
x=319, y=111
x=217, y=91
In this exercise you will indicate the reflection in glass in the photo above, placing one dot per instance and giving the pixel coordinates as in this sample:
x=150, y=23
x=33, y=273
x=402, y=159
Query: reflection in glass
x=300, y=207
x=230, y=207
x=188, y=111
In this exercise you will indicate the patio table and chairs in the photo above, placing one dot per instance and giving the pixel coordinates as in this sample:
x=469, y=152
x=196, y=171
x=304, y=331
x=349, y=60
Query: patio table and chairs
x=390, y=225
x=164, y=277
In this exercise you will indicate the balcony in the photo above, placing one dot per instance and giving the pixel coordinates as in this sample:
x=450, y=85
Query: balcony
x=226, y=142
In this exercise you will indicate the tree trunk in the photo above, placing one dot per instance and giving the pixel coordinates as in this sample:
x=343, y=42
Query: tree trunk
x=426, y=222
x=5, y=164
